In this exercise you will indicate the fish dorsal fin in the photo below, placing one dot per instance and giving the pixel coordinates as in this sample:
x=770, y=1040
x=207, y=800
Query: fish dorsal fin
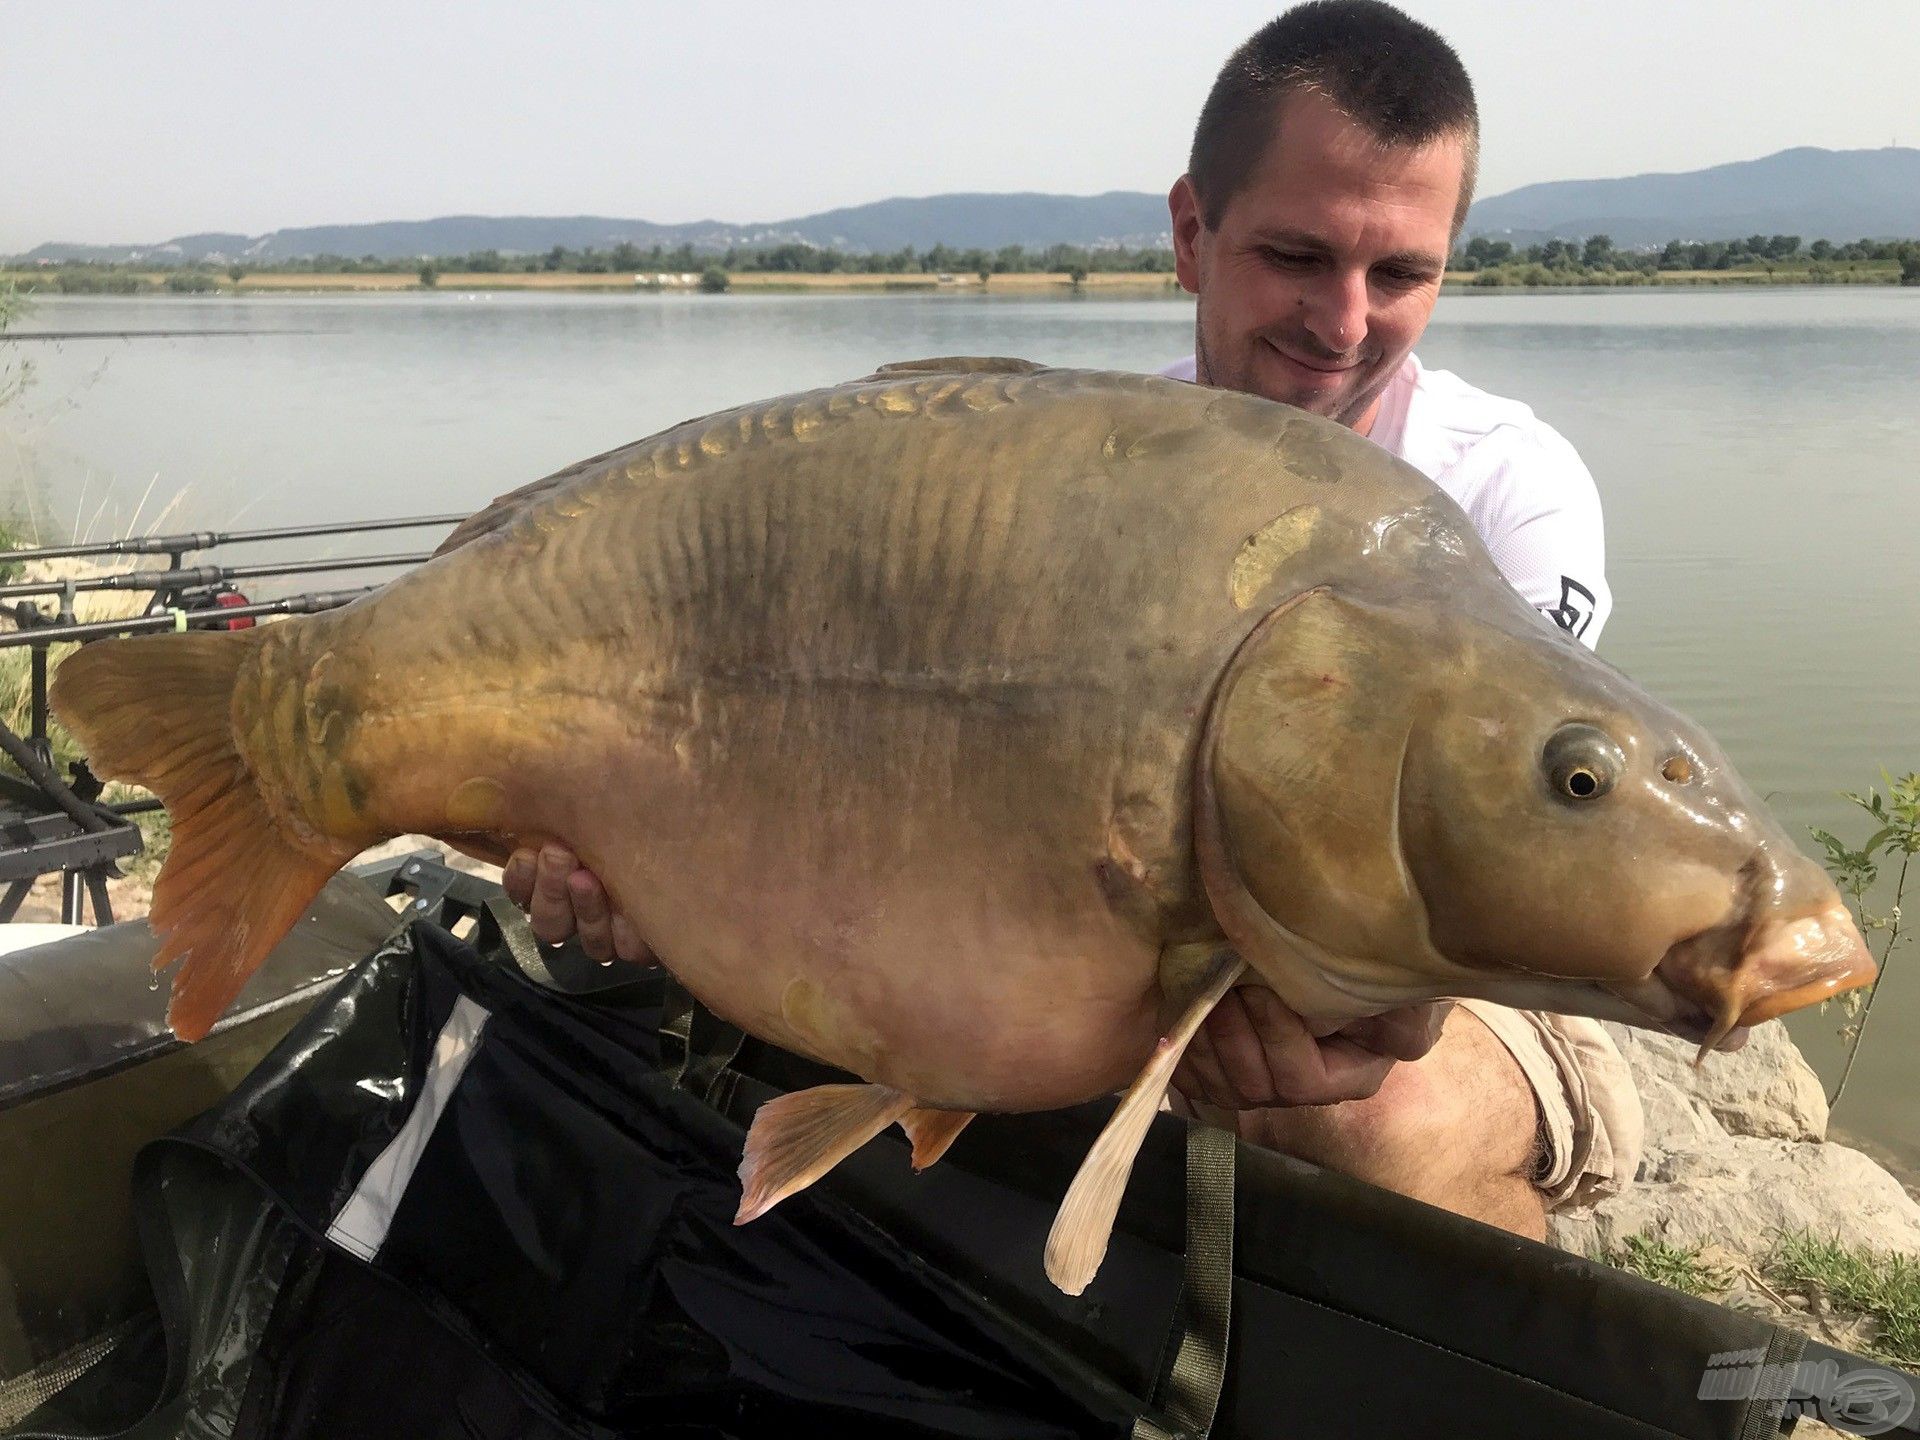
x=507, y=508
x=957, y=365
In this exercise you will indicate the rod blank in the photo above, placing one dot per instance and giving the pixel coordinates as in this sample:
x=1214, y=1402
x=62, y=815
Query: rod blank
x=208, y=539
x=192, y=577
x=170, y=620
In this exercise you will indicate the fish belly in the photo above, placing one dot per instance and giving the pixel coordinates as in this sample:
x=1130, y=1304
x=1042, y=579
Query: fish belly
x=932, y=935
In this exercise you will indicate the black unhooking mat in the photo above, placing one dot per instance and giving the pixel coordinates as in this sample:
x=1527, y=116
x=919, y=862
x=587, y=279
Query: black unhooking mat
x=453, y=1203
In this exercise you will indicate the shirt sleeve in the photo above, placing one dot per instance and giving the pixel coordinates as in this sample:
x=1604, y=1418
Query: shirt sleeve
x=1535, y=504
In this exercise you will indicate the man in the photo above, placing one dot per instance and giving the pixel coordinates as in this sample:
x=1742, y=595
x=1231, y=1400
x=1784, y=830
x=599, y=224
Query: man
x=1331, y=171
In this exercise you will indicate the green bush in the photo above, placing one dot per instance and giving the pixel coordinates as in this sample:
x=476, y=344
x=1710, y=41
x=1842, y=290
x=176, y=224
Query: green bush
x=191, y=282
x=99, y=282
x=1857, y=873
x=714, y=281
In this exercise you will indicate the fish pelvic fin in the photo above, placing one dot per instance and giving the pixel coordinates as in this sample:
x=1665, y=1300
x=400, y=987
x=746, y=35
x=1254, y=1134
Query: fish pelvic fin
x=932, y=1131
x=156, y=711
x=1078, y=1241
x=797, y=1138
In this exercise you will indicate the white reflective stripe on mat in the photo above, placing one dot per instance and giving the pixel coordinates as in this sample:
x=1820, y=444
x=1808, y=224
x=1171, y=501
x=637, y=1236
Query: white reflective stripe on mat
x=363, y=1222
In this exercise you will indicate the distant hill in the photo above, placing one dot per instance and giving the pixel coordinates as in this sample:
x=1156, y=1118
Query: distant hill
x=1815, y=194
x=1119, y=217
x=1832, y=194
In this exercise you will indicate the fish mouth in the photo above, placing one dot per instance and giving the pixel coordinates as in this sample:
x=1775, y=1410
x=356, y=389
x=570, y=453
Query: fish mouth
x=1715, y=986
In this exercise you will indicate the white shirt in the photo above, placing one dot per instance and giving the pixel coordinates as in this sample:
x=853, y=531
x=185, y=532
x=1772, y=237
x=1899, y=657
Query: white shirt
x=1522, y=485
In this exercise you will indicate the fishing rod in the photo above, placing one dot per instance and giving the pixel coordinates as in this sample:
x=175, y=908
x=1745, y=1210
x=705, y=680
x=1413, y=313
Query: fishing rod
x=177, y=545
x=218, y=617
x=194, y=577
x=55, y=823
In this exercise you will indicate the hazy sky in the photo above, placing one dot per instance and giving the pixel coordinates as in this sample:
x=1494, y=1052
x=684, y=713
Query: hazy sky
x=138, y=121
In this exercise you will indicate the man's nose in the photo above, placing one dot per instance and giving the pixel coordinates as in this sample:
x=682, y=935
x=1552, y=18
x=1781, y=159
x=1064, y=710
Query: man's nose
x=1336, y=310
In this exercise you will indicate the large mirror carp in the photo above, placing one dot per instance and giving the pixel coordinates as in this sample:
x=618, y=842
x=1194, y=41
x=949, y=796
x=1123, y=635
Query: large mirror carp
x=974, y=727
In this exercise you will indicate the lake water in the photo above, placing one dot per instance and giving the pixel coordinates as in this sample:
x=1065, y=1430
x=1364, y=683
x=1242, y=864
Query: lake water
x=1758, y=454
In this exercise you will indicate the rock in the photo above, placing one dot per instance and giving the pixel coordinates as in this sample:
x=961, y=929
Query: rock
x=1741, y=1191
x=1676, y=1117
x=1764, y=1089
x=1735, y=1152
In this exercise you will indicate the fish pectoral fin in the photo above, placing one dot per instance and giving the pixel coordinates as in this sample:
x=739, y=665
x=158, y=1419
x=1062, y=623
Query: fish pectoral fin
x=797, y=1138
x=1078, y=1241
x=932, y=1131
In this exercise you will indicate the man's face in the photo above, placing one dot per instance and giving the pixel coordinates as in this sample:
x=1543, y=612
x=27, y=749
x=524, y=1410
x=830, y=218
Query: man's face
x=1326, y=264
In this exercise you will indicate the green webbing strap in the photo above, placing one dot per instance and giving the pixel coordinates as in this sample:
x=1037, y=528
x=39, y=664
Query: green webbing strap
x=517, y=935
x=1188, y=1395
x=697, y=1047
x=676, y=1031
x=1762, y=1419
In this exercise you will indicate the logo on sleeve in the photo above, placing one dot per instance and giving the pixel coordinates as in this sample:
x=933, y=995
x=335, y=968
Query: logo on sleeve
x=1574, y=613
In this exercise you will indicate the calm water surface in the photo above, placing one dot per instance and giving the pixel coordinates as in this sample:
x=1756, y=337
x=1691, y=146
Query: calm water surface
x=1758, y=455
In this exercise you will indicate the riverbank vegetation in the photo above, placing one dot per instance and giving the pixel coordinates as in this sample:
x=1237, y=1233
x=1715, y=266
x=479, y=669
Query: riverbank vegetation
x=1803, y=1280
x=1755, y=260
x=1482, y=263
x=1873, y=878
x=623, y=265
x=15, y=373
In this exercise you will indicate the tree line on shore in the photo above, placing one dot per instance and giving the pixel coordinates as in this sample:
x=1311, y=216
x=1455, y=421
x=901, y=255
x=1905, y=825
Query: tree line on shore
x=1489, y=261
x=1499, y=262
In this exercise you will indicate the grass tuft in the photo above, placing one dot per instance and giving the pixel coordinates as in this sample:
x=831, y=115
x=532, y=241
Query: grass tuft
x=1678, y=1267
x=1854, y=1284
x=1884, y=1288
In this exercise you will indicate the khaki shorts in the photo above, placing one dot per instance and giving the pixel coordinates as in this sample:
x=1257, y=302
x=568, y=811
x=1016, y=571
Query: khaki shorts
x=1591, y=1124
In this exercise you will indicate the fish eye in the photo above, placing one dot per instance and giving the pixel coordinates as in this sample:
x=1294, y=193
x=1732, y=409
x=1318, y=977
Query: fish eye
x=1582, y=762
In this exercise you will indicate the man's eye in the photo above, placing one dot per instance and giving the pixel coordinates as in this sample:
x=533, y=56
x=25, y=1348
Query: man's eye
x=1290, y=259
x=1403, y=277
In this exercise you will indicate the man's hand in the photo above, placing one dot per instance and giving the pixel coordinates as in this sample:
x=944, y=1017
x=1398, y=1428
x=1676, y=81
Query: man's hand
x=563, y=899
x=1253, y=1052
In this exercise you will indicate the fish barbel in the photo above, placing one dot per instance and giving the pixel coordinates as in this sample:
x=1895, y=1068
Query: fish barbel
x=973, y=728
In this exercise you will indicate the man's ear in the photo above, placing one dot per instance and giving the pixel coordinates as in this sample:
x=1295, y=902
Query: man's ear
x=1184, y=206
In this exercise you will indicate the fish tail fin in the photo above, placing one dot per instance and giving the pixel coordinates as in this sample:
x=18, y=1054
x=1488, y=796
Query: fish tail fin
x=932, y=1131
x=797, y=1138
x=156, y=711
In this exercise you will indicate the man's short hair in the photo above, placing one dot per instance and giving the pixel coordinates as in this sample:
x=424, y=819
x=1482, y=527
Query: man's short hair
x=1392, y=74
